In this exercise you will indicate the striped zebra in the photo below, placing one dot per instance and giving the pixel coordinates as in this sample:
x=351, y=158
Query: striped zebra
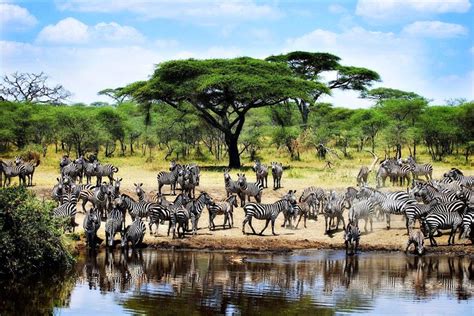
x=169, y=178
x=277, y=173
x=363, y=209
x=418, y=170
x=261, y=172
x=134, y=233
x=444, y=216
x=195, y=208
x=189, y=183
x=180, y=219
x=161, y=213
x=113, y=225
x=303, y=208
x=135, y=209
x=249, y=189
x=28, y=169
x=89, y=171
x=113, y=192
x=11, y=171
x=335, y=209
x=382, y=175
x=468, y=225
x=390, y=206
x=67, y=211
x=351, y=238
x=225, y=208
x=428, y=193
x=107, y=170
x=363, y=176
x=98, y=196
x=139, y=191
x=65, y=160
x=194, y=169
x=320, y=196
x=91, y=225
x=416, y=237
x=456, y=175
x=74, y=169
x=58, y=190
x=231, y=186
x=290, y=213
x=267, y=212
x=415, y=212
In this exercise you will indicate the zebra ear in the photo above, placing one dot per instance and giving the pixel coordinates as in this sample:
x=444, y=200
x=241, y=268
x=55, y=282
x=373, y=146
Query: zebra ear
x=141, y=184
x=119, y=179
x=57, y=179
x=135, y=184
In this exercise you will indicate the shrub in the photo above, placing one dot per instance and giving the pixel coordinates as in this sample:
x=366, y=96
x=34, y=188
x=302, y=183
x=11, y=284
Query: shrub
x=30, y=239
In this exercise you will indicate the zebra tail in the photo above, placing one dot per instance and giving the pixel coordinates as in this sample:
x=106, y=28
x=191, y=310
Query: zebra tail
x=115, y=169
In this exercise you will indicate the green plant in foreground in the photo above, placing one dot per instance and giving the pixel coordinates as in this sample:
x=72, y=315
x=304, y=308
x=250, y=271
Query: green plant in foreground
x=31, y=242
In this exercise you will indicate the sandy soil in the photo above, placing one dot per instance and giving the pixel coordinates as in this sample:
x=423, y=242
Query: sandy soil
x=232, y=239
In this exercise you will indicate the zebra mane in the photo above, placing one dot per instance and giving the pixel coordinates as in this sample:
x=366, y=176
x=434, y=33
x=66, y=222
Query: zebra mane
x=127, y=196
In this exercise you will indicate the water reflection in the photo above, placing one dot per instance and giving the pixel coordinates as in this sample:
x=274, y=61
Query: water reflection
x=315, y=281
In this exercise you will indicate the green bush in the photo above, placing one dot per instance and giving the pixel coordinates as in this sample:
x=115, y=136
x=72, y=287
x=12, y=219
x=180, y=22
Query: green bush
x=30, y=239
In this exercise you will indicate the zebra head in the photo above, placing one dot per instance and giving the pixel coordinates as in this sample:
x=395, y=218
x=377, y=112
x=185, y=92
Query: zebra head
x=291, y=197
x=205, y=198
x=227, y=175
x=93, y=216
x=18, y=160
x=233, y=200
x=139, y=190
x=256, y=165
x=242, y=180
x=173, y=165
x=65, y=160
x=95, y=165
x=117, y=185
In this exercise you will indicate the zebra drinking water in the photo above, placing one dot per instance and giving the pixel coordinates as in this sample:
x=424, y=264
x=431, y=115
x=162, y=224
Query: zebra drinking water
x=113, y=225
x=416, y=237
x=91, y=225
x=351, y=238
x=267, y=212
x=134, y=233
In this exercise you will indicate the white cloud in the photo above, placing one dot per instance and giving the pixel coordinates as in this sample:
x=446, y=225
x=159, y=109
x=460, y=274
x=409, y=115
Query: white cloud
x=387, y=9
x=72, y=31
x=69, y=31
x=402, y=62
x=177, y=9
x=435, y=29
x=15, y=17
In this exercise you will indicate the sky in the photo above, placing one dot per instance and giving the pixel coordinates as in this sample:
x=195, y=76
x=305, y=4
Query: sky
x=424, y=46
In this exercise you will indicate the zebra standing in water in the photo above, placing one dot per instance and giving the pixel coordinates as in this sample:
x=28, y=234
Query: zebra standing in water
x=418, y=170
x=267, y=212
x=277, y=172
x=134, y=233
x=444, y=216
x=91, y=225
x=28, y=169
x=249, y=189
x=225, y=208
x=67, y=211
x=113, y=225
x=169, y=178
x=107, y=170
x=351, y=238
x=231, y=186
x=261, y=172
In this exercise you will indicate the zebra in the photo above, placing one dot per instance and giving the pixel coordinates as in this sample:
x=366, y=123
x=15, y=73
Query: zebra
x=231, y=186
x=98, y=196
x=290, y=213
x=134, y=233
x=135, y=209
x=74, y=169
x=91, y=225
x=67, y=211
x=11, y=171
x=456, y=175
x=277, y=172
x=195, y=208
x=28, y=169
x=390, y=206
x=113, y=192
x=267, y=212
x=107, y=170
x=444, y=216
x=160, y=213
x=249, y=189
x=468, y=225
x=351, y=238
x=65, y=160
x=335, y=208
x=363, y=209
x=189, y=183
x=418, y=170
x=427, y=193
x=261, y=172
x=415, y=212
x=304, y=207
x=139, y=191
x=89, y=171
x=194, y=168
x=416, y=237
x=382, y=174
x=320, y=197
x=225, y=208
x=170, y=178
x=181, y=217
x=58, y=190
x=362, y=176
x=113, y=225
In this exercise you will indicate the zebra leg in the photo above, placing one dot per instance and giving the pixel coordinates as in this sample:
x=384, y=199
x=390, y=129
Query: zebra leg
x=273, y=227
x=246, y=219
x=251, y=226
x=232, y=218
x=242, y=199
x=299, y=219
x=341, y=217
x=326, y=228
x=387, y=217
x=365, y=226
x=266, y=225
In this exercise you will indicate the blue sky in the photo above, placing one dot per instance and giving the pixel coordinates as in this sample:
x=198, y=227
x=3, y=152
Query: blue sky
x=88, y=45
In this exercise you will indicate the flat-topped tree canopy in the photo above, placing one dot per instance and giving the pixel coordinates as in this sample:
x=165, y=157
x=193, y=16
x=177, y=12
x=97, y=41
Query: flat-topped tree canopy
x=222, y=91
x=310, y=66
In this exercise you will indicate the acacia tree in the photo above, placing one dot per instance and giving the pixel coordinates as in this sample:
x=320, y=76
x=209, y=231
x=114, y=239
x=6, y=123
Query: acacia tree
x=32, y=88
x=114, y=94
x=222, y=91
x=381, y=94
x=310, y=66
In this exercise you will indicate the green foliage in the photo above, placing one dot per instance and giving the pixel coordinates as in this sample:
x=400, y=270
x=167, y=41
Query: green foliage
x=30, y=241
x=381, y=94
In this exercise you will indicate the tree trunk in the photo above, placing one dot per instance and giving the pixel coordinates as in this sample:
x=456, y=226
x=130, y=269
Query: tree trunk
x=234, y=158
x=414, y=149
x=373, y=144
x=304, y=111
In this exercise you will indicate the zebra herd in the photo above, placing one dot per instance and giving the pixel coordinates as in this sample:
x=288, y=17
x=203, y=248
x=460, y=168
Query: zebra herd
x=440, y=204
x=398, y=171
x=20, y=168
